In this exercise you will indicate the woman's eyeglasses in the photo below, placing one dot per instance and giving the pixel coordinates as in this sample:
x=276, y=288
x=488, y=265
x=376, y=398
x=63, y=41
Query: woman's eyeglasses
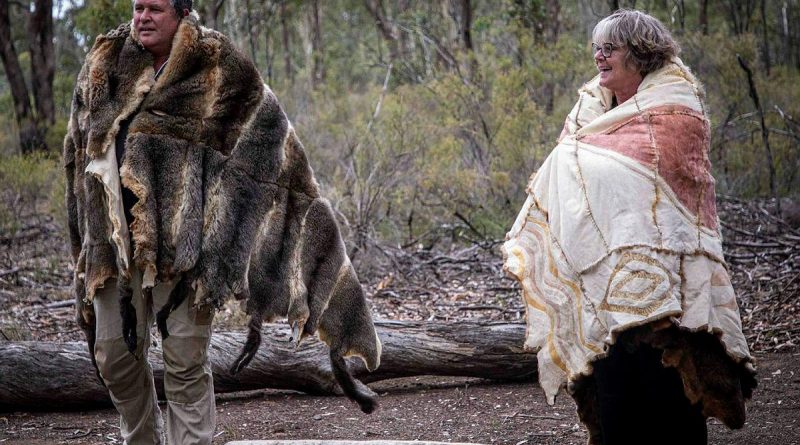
x=605, y=49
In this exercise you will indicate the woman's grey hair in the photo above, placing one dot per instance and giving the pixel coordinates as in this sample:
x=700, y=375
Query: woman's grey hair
x=650, y=45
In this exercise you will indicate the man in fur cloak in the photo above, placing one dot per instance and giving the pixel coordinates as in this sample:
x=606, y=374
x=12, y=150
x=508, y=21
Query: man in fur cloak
x=176, y=156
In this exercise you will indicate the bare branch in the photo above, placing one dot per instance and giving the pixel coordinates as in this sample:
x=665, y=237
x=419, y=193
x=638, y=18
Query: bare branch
x=764, y=133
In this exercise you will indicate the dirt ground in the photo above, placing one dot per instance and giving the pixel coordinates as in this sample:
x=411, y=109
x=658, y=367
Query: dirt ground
x=432, y=284
x=424, y=408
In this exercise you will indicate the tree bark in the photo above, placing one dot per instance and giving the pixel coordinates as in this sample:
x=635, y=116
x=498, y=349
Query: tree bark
x=287, y=55
x=269, y=54
x=680, y=8
x=236, y=24
x=268, y=15
x=317, y=49
x=551, y=28
x=211, y=13
x=703, y=19
x=791, y=44
x=385, y=26
x=43, y=62
x=765, y=38
x=251, y=31
x=554, y=20
x=466, y=24
x=740, y=13
x=29, y=135
x=43, y=375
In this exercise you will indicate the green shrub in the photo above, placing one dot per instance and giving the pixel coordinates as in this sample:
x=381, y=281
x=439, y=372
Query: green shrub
x=27, y=185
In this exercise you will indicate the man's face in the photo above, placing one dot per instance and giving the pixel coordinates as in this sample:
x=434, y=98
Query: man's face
x=155, y=22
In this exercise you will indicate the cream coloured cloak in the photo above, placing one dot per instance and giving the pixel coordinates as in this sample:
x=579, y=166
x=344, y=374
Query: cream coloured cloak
x=620, y=230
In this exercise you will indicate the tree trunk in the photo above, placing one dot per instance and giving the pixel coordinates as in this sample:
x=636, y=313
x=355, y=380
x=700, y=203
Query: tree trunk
x=235, y=24
x=466, y=24
x=268, y=14
x=269, y=54
x=211, y=13
x=740, y=15
x=680, y=8
x=317, y=50
x=551, y=27
x=385, y=26
x=29, y=135
x=795, y=33
x=765, y=38
x=251, y=31
x=704, y=17
x=287, y=55
x=43, y=375
x=554, y=20
x=43, y=63
x=791, y=48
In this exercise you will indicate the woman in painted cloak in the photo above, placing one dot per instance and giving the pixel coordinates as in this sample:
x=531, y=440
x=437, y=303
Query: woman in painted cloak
x=618, y=252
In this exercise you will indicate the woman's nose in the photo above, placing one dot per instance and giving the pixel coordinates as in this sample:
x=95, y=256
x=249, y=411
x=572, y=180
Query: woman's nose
x=598, y=55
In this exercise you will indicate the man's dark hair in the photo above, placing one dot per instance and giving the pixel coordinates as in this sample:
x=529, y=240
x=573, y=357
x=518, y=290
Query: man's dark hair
x=180, y=5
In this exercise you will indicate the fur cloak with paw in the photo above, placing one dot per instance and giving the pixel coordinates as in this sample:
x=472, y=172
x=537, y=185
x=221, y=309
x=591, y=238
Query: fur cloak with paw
x=209, y=154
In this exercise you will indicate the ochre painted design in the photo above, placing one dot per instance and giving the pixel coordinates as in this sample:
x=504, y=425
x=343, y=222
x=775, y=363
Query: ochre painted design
x=620, y=229
x=638, y=285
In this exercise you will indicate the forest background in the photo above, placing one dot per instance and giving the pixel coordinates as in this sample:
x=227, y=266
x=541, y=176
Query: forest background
x=423, y=119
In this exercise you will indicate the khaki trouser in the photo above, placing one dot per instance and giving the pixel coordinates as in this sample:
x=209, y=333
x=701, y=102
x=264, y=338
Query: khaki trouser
x=188, y=383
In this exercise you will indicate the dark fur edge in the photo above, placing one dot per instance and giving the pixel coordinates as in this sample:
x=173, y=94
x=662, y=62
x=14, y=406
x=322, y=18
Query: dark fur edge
x=251, y=345
x=178, y=295
x=128, y=314
x=350, y=386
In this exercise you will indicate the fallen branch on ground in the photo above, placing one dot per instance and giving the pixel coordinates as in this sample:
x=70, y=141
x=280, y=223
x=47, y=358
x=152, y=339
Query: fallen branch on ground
x=45, y=375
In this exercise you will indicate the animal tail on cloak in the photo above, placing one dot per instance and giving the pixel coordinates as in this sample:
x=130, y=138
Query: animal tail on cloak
x=128, y=313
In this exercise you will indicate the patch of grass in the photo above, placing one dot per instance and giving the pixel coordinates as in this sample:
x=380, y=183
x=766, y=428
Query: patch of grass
x=27, y=187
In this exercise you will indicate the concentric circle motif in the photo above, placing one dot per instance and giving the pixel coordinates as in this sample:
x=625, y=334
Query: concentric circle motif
x=638, y=285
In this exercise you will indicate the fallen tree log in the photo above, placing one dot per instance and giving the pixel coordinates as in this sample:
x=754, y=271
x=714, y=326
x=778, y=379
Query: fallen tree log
x=52, y=376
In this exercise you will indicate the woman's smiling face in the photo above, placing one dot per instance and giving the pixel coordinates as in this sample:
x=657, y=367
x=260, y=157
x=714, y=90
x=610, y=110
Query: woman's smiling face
x=615, y=74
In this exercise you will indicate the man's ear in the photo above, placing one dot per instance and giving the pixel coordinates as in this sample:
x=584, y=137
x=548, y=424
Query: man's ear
x=185, y=12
